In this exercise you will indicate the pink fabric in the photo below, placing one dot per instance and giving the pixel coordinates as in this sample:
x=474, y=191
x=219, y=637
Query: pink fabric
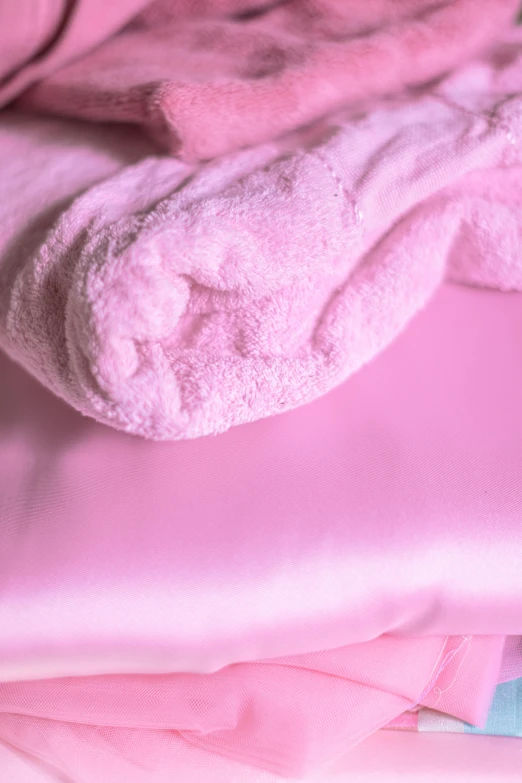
x=88, y=560
x=408, y=721
x=198, y=566
x=289, y=715
x=39, y=36
x=511, y=668
x=174, y=303
x=385, y=757
x=206, y=86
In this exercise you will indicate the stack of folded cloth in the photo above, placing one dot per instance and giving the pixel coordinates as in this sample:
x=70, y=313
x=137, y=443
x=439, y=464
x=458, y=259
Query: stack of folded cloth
x=295, y=226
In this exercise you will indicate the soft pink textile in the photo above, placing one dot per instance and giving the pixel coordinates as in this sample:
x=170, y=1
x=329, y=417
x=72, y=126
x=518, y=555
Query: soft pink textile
x=39, y=36
x=174, y=303
x=291, y=715
x=385, y=757
x=393, y=507
x=430, y=432
x=206, y=86
x=26, y=27
x=511, y=668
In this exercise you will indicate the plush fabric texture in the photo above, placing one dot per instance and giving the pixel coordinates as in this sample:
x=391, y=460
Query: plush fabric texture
x=205, y=80
x=175, y=302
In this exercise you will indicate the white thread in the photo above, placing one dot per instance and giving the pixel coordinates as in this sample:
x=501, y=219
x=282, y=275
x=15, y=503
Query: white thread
x=436, y=672
x=357, y=211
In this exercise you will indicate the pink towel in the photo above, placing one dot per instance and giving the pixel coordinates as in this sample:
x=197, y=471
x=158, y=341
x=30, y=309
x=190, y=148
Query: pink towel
x=175, y=302
x=205, y=85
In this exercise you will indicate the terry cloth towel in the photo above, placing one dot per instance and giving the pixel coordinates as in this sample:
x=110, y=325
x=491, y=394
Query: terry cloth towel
x=206, y=81
x=174, y=303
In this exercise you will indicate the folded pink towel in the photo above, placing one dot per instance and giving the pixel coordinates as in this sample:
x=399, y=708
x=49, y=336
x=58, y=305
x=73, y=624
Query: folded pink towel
x=205, y=85
x=174, y=302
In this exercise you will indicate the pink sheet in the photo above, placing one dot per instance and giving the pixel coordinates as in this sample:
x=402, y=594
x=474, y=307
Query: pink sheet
x=394, y=506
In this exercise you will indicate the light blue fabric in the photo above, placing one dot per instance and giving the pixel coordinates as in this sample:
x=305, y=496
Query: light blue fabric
x=505, y=715
x=504, y=718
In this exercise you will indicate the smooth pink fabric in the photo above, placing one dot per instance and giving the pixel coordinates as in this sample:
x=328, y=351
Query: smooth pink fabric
x=26, y=27
x=173, y=303
x=291, y=715
x=206, y=86
x=394, y=507
x=39, y=36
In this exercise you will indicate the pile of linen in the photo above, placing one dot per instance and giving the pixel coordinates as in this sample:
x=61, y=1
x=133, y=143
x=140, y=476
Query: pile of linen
x=296, y=226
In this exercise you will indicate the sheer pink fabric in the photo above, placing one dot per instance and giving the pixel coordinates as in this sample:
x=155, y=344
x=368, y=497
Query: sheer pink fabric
x=291, y=715
x=385, y=757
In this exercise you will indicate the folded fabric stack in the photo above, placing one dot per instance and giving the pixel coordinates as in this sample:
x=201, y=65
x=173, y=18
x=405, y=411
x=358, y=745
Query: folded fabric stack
x=296, y=226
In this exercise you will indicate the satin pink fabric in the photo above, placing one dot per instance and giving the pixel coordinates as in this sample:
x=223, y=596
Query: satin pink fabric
x=411, y=469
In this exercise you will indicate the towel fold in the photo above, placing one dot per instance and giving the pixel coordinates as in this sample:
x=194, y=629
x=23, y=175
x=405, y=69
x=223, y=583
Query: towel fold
x=206, y=79
x=174, y=302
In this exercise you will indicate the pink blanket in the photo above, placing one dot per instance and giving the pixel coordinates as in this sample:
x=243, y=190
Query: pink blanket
x=206, y=81
x=173, y=301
